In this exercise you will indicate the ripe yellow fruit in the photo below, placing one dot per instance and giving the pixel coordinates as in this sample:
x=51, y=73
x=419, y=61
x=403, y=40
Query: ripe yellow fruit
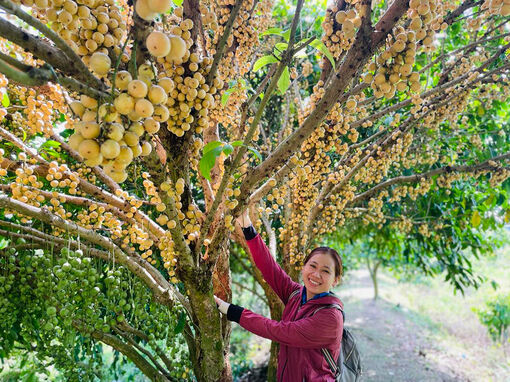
x=137, y=128
x=125, y=155
x=119, y=176
x=88, y=102
x=110, y=149
x=143, y=10
x=131, y=138
x=89, y=149
x=157, y=95
x=144, y=108
x=158, y=44
x=94, y=161
x=77, y=108
x=137, y=150
x=75, y=140
x=137, y=88
x=177, y=49
x=90, y=130
x=122, y=79
x=146, y=149
x=167, y=84
x=124, y=103
x=115, y=131
x=159, y=6
x=161, y=113
x=151, y=126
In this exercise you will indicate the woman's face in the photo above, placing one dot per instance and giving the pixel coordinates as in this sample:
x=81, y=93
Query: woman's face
x=319, y=274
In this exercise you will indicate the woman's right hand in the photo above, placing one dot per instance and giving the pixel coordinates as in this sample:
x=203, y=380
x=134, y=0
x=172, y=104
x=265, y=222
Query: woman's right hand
x=244, y=219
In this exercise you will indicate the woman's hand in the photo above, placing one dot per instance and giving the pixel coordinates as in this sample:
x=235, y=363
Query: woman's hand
x=222, y=305
x=244, y=219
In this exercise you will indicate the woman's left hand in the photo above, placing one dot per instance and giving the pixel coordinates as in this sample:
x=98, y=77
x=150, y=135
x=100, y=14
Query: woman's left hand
x=222, y=305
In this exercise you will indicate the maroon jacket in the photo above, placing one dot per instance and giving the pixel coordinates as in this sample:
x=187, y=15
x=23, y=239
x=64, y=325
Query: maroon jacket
x=301, y=335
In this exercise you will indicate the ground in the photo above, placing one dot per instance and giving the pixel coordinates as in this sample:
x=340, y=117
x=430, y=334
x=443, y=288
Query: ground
x=417, y=331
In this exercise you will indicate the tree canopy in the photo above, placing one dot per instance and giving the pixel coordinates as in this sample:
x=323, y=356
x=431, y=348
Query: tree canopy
x=134, y=133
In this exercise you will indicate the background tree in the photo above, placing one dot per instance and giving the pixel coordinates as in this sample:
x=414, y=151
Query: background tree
x=128, y=137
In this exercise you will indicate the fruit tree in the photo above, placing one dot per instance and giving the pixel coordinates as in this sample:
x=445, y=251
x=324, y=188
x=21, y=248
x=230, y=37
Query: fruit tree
x=133, y=133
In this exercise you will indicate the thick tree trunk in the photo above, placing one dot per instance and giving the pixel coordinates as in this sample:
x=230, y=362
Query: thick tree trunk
x=276, y=309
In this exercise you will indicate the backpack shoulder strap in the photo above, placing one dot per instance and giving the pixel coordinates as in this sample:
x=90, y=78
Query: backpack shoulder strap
x=333, y=306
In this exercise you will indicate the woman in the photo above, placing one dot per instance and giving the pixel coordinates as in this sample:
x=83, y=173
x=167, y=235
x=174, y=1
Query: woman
x=304, y=330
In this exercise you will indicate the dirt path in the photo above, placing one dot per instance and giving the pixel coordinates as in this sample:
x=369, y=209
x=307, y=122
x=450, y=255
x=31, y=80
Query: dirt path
x=393, y=347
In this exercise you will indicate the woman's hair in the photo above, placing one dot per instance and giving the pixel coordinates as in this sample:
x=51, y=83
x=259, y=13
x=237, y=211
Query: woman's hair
x=328, y=251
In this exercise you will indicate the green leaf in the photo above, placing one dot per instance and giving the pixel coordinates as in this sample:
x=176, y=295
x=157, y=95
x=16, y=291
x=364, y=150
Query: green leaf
x=3, y=243
x=227, y=149
x=5, y=100
x=281, y=46
x=237, y=143
x=319, y=45
x=476, y=219
x=211, y=145
x=255, y=151
x=50, y=143
x=208, y=160
x=284, y=81
x=276, y=31
x=263, y=61
x=286, y=35
x=178, y=2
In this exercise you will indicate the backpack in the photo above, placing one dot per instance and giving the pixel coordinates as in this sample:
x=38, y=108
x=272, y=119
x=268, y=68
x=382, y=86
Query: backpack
x=347, y=368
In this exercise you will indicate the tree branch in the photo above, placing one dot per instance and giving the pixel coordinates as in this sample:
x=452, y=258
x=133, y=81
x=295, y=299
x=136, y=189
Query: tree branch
x=484, y=166
x=73, y=59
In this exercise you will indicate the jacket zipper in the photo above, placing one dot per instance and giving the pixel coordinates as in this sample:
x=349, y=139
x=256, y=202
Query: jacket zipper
x=283, y=369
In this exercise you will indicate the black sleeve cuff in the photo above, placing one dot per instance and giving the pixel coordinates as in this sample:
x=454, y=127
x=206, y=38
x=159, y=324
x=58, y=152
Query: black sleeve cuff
x=249, y=233
x=234, y=312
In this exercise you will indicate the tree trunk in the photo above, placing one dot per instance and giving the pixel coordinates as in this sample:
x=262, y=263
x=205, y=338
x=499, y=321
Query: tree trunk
x=276, y=309
x=373, y=275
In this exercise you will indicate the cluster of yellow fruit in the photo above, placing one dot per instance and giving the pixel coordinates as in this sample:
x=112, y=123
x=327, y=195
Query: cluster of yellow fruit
x=497, y=7
x=190, y=221
x=86, y=25
x=393, y=69
x=339, y=29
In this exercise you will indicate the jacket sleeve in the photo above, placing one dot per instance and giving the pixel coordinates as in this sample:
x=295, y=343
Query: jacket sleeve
x=274, y=275
x=317, y=331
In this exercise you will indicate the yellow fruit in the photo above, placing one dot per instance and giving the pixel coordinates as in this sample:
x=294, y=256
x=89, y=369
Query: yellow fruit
x=159, y=6
x=151, y=126
x=75, y=140
x=167, y=84
x=137, y=128
x=115, y=131
x=146, y=149
x=124, y=103
x=110, y=149
x=90, y=130
x=122, y=79
x=137, y=88
x=88, y=149
x=161, y=113
x=88, y=102
x=144, y=108
x=119, y=176
x=137, y=150
x=77, y=108
x=142, y=9
x=125, y=155
x=157, y=95
x=158, y=44
x=131, y=138
x=94, y=161
x=177, y=48
x=107, y=112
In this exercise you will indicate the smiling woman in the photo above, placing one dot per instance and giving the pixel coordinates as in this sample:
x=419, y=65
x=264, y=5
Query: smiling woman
x=301, y=333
